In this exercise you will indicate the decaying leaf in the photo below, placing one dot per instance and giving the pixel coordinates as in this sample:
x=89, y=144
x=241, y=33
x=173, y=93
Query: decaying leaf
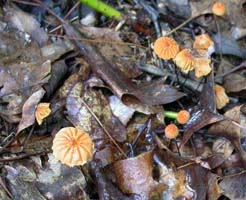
x=28, y=111
x=109, y=42
x=229, y=130
x=234, y=186
x=150, y=94
x=24, y=22
x=134, y=175
x=18, y=82
x=120, y=110
x=82, y=118
x=30, y=180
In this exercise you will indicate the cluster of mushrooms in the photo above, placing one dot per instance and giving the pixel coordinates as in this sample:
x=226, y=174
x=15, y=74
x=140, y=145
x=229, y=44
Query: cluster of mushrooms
x=75, y=147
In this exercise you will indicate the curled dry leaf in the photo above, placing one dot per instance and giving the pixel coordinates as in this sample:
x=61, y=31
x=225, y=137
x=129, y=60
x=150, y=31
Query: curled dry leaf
x=134, y=175
x=184, y=60
x=221, y=97
x=166, y=48
x=234, y=186
x=42, y=111
x=123, y=112
x=72, y=146
x=202, y=67
x=28, y=110
x=231, y=131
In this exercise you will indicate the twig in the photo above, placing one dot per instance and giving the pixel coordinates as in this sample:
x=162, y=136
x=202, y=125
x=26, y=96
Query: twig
x=5, y=188
x=104, y=129
x=241, y=66
x=99, y=41
x=11, y=159
x=26, y=3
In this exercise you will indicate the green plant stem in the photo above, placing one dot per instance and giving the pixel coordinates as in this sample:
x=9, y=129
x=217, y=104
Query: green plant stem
x=103, y=8
x=171, y=114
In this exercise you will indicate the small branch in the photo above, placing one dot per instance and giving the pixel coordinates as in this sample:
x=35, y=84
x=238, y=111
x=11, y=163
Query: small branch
x=104, y=129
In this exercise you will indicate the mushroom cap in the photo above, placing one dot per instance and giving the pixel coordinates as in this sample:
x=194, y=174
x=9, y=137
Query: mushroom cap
x=184, y=60
x=171, y=131
x=202, y=67
x=219, y=8
x=221, y=97
x=166, y=48
x=42, y=111
x=72, y=146
x=202, y=43
x=183, y=116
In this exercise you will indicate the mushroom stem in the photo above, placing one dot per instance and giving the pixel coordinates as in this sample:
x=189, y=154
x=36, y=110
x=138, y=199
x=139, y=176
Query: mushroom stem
x=103, y=8
x=171, y=114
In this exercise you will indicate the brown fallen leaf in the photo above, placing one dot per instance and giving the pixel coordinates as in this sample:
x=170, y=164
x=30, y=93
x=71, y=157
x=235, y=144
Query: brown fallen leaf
x=230, y=130
x=134, y=175
x=28, y=111
x=18, y=82
x=81, y=117
x=233, y=186
x=110, y=45
x=25, y=22
x=119, y=83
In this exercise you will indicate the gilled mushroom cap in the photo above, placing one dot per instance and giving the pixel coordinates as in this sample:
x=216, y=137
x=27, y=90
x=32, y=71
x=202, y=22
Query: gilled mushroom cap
x=166, y=48
x=184, y=60
x=183, y=116
x=171, y=131
x=42, y=111
x=202, y=67
x=202, y=44
x=219, y=9
x=221, y=97
x=72, y=146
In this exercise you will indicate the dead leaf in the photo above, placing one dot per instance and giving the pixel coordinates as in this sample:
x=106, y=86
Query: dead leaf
x=109, y=42
x=21, y=185
x=24, y=22
x=134, y=175
x=18, y=82
x=234, y=186
x=120, y=84
x=28, y=111
x=81, y=117
x=229, y=130
x=120, y=110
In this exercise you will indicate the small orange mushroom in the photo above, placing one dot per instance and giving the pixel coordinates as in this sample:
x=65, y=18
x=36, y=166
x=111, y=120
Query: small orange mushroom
x=171, y=131
x=202, y=44
x=183, y=116
x=221, y=97
x=184, y=60
x=72, y=146
x=219, y=9
x=166, y=48
x=202, y=67
x=42, y=111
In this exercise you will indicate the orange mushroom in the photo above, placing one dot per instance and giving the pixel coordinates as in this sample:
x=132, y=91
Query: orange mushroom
x=202, y=44
x=219, y=9
x=221, y=97
x=42, y=111
x=72, y=146
x=166, y=48
x=183, y=116
x=171, y=131
x=184, y=60
x=202, y=67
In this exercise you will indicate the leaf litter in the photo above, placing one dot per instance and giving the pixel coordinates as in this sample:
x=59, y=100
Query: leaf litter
x=107, y=81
